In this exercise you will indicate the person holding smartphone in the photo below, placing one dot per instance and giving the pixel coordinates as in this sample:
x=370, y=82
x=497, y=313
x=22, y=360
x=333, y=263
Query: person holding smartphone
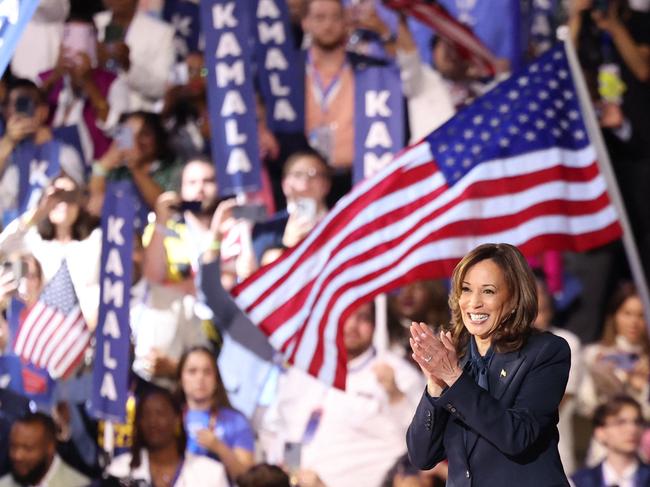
x=138, y=45
x=306, y=182
x=82, y=93
x=27, y=143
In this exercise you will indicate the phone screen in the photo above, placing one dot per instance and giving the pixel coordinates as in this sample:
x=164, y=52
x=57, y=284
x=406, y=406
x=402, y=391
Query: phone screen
x=292, y=453
x=25, y=105
x=113, y=33
x=124, y=137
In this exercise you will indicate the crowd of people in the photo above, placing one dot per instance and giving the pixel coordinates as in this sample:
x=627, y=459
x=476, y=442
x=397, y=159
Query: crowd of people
x=200, y=411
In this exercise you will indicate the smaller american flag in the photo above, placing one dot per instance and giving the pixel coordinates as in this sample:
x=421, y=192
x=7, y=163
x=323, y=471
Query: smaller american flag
x=54, y=334
x=447, y=27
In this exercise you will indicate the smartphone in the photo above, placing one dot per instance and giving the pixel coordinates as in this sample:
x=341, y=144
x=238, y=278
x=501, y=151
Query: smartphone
x=305, y=208
x=25, y=105
x=191, y=206
x=67, y=196
x=113, y=33
x=292, y=453
x=252, y=212
x=17, y=267
x=124, y=137
x=623, y=361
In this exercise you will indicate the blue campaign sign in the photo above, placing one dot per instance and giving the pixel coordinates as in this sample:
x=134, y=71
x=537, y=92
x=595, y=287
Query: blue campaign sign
x=14, y=15
x=184, y=16
x=231, y=99
x=280, y=67
x=378, y=120
x=111, y=367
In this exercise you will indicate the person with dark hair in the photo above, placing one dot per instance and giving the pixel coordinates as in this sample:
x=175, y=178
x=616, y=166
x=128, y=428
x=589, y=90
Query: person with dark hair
x=27, y=142
x=264, y=475
x=214, y=428
x=158, y=454
x=141, y=152
x=81, y=93
x=620, y=362
x=618, y=426
x=494, y=384
x=33, y=457
x=59, y=231
x=306, y=182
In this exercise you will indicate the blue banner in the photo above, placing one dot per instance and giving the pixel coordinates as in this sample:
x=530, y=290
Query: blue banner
x=378, y=118
x=183, y=15
x=280, y=68
x=111, y=367
x=231, y=99
x=37, y=166
x=14, y=16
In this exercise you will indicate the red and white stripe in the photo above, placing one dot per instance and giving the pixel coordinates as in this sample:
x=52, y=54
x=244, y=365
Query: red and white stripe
x=50, y=339
x=406, y=224
x=447, y=27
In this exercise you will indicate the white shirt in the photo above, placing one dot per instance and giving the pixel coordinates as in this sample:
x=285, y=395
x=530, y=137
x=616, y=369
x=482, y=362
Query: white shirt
x=82, y=256
x=360, y=434
x=429, y=101
x=197, y=470
x=176, y=326
x=151, y=52
x=626, y=479
x=38, y=47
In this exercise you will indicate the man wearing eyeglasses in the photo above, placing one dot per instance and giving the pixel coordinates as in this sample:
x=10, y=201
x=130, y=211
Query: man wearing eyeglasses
x=618, y=426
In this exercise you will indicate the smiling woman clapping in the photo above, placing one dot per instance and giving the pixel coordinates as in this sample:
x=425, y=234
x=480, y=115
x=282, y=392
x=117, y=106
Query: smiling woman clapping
x=494, y=384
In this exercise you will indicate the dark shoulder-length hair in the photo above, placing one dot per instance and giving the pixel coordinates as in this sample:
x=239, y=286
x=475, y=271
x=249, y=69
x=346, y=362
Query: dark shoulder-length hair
x=219, y=398
x=138, y=440
x=82, y=226
x=623, y=292
x=515, y=326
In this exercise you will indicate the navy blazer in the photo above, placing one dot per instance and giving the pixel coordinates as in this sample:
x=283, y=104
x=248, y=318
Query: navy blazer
x=593, y=477
x=507, y=436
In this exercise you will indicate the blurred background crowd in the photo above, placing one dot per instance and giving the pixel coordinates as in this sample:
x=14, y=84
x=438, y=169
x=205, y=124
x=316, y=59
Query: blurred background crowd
x=120, y=73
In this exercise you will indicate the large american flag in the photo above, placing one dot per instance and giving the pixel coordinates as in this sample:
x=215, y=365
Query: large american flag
x=516, y=166
x=54, y=334
x=447, y=27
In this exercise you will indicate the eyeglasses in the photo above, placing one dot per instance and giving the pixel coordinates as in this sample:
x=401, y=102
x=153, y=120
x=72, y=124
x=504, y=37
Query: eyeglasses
x=308, y=174
x=639, y=423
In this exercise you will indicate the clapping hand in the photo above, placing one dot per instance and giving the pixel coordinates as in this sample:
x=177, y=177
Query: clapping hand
x=436, y=356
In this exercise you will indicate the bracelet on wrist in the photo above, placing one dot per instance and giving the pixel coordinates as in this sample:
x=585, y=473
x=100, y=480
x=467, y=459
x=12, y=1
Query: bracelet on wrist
x=214, y=246
x=98, y=170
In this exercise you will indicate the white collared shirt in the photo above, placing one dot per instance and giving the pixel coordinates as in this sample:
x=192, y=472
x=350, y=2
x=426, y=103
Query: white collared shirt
x=626, y=479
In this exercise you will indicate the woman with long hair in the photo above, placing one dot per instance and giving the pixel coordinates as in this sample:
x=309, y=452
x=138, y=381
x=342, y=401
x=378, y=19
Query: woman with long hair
x=620, y=362
x=158, y=454
x=215, y=429
x=60, y=231
x=494, y=383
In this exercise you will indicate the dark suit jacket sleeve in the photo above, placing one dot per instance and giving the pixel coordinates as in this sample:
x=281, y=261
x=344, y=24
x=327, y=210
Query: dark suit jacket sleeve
x=535, y=409
x=425, y=434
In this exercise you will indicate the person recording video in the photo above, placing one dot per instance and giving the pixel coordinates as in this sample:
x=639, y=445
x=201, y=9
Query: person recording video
x=30, y=155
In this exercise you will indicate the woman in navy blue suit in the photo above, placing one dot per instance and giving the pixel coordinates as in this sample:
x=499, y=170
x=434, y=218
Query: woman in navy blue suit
x=494, y=384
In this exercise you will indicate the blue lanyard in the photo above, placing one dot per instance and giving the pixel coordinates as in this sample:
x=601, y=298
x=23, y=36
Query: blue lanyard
x=324, y=92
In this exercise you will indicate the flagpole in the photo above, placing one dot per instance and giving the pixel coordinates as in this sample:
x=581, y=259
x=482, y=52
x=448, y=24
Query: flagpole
x=605, y=166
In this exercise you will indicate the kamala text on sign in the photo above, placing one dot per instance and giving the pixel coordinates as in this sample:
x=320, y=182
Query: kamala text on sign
x=231, y=98
x=280, y=67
